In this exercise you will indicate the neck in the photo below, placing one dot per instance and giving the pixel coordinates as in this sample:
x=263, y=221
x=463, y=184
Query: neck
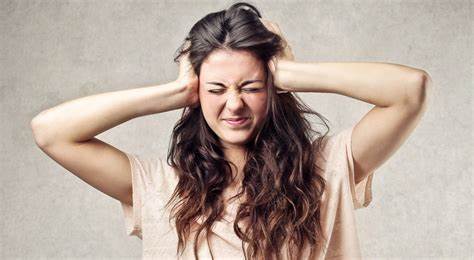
x=236, y=155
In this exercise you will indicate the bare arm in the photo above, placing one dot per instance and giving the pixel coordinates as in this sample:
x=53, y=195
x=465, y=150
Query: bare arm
x=399, y=93
x=66, y=132
x=81, y=119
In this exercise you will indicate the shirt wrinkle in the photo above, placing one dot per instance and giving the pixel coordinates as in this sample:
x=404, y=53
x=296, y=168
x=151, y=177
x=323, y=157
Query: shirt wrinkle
x=153, y=182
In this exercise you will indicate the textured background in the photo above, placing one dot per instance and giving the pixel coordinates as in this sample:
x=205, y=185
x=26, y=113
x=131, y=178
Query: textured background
x=54, y=51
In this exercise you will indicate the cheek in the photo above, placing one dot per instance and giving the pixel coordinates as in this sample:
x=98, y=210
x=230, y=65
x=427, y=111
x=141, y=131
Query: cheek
x=209, y=105
x=258, y=104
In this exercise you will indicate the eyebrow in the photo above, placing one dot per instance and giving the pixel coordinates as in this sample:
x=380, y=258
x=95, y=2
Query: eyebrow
x=243, y=84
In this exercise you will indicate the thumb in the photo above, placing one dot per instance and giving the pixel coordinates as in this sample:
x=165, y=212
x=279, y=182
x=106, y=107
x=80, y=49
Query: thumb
x=272, y=64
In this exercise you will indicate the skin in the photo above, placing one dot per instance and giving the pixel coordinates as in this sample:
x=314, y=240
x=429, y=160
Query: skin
x=225, y=72
x=400, y=95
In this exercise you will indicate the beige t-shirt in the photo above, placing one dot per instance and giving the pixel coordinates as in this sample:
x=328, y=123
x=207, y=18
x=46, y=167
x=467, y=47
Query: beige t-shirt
x=154, y=181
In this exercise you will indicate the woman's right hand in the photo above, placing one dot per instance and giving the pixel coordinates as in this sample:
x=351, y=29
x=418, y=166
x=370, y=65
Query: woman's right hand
x=188, y=78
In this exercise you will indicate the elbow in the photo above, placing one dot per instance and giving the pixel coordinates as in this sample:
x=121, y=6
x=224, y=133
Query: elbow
x=420, y=91
x=38, y=130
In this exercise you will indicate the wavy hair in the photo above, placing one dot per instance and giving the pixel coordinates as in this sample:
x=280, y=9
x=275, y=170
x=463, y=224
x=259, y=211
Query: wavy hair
x=281, y=181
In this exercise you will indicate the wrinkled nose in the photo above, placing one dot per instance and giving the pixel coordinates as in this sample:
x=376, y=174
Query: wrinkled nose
x=234, y=102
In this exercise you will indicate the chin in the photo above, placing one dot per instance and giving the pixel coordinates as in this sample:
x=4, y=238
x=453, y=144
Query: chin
x=236, y=139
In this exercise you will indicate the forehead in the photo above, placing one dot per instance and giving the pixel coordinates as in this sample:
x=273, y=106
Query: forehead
x=231, y=66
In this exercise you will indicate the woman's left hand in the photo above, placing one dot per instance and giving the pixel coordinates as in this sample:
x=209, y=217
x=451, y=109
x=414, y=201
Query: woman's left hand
x=286, y=54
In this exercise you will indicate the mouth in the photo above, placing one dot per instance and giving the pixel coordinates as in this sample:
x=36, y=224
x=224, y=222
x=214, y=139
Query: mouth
x=237, y=121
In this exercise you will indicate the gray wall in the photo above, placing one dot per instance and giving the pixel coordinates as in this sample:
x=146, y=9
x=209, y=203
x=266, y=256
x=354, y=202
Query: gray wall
x=54, y=51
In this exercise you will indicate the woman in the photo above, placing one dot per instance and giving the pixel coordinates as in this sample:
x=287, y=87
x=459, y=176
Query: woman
x=245, y=177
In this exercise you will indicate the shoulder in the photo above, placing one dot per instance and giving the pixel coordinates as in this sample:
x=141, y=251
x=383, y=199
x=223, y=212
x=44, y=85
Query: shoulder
x=331, y=145
x=153, y=172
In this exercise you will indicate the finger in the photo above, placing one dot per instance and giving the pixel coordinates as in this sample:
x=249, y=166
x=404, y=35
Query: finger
x=269, y=25
x=288, y=53
x=280, y=90
x=186, y=44
x=272, y=64
x=276, y=28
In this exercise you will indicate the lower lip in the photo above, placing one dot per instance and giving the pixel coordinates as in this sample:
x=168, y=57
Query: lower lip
x=239, y=122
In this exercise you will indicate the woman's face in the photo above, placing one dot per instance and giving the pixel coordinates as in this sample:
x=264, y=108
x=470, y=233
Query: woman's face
x=232, y=85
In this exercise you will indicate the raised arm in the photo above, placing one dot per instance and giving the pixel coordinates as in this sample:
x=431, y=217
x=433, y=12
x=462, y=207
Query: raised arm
x=399, y=93
x=66, y=133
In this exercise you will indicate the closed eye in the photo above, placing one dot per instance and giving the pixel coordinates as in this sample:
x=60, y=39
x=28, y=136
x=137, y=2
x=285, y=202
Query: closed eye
x=220, y=90
x=252, y=89
x=216, y=91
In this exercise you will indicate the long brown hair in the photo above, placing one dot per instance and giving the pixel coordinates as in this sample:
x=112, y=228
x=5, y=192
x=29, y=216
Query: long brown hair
x=281, y=181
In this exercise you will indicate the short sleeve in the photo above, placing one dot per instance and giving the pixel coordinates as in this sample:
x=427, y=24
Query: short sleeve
x=338, y=150
x=362, y=191
x=142, y=181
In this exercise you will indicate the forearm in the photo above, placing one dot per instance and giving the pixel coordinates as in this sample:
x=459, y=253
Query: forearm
x=381, y=84
x=83, y=118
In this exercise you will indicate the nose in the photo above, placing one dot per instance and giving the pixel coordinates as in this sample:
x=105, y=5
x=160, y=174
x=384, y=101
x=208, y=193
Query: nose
x=234, y=102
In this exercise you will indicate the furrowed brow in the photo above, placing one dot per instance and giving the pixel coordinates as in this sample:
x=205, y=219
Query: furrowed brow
x=241, y=85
